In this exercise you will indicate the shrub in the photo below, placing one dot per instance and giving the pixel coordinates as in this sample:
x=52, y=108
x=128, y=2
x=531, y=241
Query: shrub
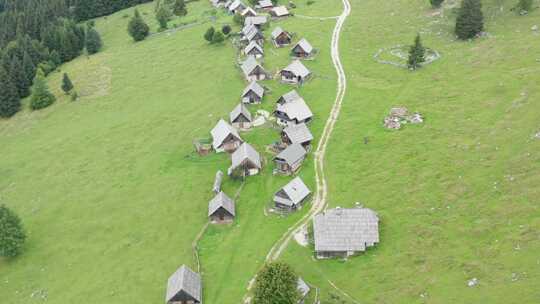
x=524, y=6
x=179, y=8
x=226, y=29
x=436, y=3
x=67, y=85
x=218, y=37
x=209, y=35
x=276, y=283
x=41, y=97
x=137, y=28
x=93, y=41
x=12, y=235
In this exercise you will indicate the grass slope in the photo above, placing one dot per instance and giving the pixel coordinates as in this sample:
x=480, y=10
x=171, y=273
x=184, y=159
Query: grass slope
x=458, y=195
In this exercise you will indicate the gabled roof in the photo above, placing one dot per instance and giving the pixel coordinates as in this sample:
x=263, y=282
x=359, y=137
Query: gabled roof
x=346, y=229
x=256, y=20
x=248, y=10
x=304, y=45
x=254, y=87
x=240, y=109
x=221, y=200
x=298, y=133
x=249, y=65
x=298, y=69
x=236, y=4
x=248, y=28
x=221, y=131
x=246, y=152
x=184, y=280
x=280, y=11
x=295, y=190
x=253, y=45
x=265, y=3
x=292, y=154
x=278, y=31
x=296, y=109
x=290, y=96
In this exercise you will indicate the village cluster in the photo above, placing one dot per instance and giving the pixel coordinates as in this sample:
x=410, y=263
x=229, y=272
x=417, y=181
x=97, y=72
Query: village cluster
x=337, y=232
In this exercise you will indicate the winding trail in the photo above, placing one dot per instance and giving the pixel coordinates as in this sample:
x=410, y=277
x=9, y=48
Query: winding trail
x=319, y=202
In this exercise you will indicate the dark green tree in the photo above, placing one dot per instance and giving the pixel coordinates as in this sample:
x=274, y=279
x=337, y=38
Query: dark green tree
x=417, y=54
x=41, y=97
x=12, y=234
x=137, y=28
x=524, y=6
x=93, y=40
x=209, y=35
x=179, y=8
x=29, y=68
x=10, y=103
x=470, y=20
x=436, y=3
x=218, y=37
x=67, y=85
x=276, y=284
x=54, y=57
x=226, y=29
x=19, y=78
x=162, y=17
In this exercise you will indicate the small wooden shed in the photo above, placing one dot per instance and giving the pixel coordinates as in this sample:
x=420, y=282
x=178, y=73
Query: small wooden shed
x=221, y=209
x=280, y=37
x=241, y=117
x=290, y=160
x=225, y=138
x=279, y=12
x=246, y=161
x=292, y=196
x=254, y=49
x=299, y=133
x=302, y=49
x=253, y=70
x=293, y=113
x=184, y=287
x=295, y=73
x=253, y=93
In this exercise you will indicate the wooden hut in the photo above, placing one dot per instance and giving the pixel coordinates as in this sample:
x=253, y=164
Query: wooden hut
x=344, y=232
x=241, y=117
x=290, y=160
x=236, y=7
x=292, y=196
x=297, y=134
x=254, y=49
x=221, y=209
x=257, y=21
x=293, y=113
x=253, y=70
x=280, y=37
x=248, y=12
x=246, y=161
x=266, y=4
x=295, y=73
x=289, y=97
x=279, y=12
x=302, y=49
x=251, y=33
x=225, y=137
x=184, y=287
x=253, y=93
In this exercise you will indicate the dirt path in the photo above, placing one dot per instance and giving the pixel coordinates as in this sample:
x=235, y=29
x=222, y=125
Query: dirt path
x=319, y=202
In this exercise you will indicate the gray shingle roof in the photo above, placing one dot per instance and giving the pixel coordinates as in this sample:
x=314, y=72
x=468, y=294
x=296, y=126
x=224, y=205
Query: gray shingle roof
x=265, y=3
x=255, y=87
x=240, y=109
x=277, y=31
x=305, y=45
x=221, y=200
x=248, y=28
x=249, y=65
x=245, y=152
x=298, y=133
x=256, y=20
x=346, y=229
x=296, y=190
x=186, y=280
x=221, y=131
x=298, y=68
x=280, y=11
x=296, y=109
x=236, y=4
x=290, y=96
x=249, y=10
x=292, y=154
x=253, y=45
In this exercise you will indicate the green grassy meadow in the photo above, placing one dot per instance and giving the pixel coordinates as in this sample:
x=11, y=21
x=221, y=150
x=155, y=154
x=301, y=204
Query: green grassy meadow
x=112, y=194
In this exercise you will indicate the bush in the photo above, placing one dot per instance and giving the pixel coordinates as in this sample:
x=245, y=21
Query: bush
x=67, y=85
x=74, y=95
x=41, y=97
x=436, y=3
x=524, y=6
x=218, y=37
x=179, y=8
x=226, y=29
x=137, y=28
x=12, y=235
x=276, y=283
x=209, y=35
x=416, y=54
x=93, y=41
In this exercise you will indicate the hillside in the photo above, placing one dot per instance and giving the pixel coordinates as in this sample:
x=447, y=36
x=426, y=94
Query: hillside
x=112, y=194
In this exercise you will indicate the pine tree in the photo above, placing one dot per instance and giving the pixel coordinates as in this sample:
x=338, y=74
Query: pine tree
x=416, y=54
x=41, y=97
x=218, y=37
x=12, y=235
x=162, y=16
x=10, y=103
x=209, y=35
x=276, y=283
x=436, y=3
x=524, y=6
x=67, y=85
x=137, y=28
x=179, y=8
x=29, y=68
x=19, y=78
x=470, y=20
x=93, y=41
x=55, y=58
x=226, y=29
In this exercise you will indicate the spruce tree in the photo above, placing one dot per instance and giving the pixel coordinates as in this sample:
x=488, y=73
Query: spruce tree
x=54, y=57
x=276, y=283
x=41, y=97
x=179, y=8
x=12, y=235
x=209, y=35
x=67, y=85
x=470, y=20
x=18, y=76
x=137, y=28
x=29, y=68
x=10, y=103
x=218, y=37
x=416, y=54
x=162, y=17
x=93, y=41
